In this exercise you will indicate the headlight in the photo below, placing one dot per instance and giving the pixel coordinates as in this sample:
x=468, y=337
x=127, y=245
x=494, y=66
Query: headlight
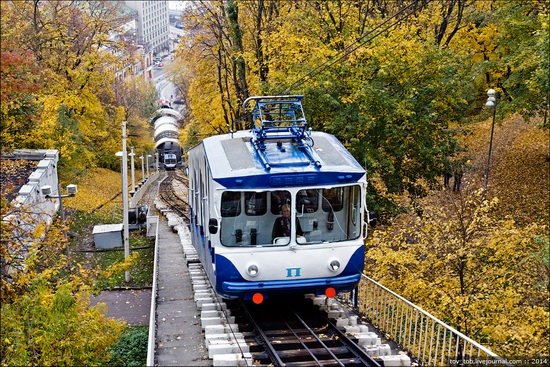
x=252, y=270
x=334, y=265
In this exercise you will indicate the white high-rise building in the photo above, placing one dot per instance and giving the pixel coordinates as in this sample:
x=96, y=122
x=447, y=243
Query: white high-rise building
x=152, y=24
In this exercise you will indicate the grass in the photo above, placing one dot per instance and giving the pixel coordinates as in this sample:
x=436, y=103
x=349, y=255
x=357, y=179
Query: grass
x=141, y=273
x=99, y=202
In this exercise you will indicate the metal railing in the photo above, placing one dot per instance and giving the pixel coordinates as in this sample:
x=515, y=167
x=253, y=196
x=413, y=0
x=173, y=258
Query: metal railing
x=151, y=343
x=426, y=338
x=138, y=195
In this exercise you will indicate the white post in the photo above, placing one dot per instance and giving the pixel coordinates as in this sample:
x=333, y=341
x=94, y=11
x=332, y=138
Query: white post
x=142, y=168
x=147, y=159
x=125, y=224
x=132, y=166
x=157, y=161
x=63, y=216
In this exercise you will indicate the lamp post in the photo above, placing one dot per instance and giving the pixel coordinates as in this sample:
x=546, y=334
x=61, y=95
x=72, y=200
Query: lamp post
x=147, y=159
x=156, y=162
x=492, y=103
x=142, y=168
x=71, y=190
x=125, y=220
x=132, y=168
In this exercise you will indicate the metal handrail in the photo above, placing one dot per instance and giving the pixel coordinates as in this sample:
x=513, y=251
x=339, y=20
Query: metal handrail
x=425, y=337
x=153, y=312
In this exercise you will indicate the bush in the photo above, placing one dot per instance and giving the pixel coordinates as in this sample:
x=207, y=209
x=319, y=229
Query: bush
x=131, y=348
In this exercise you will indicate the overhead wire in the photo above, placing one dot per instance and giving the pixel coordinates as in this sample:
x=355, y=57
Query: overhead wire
x=356, y=44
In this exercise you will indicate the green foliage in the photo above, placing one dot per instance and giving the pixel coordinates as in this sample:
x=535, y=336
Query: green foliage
x=110, y=264
x=131, y=348
x=397, y=120
x=521, y=68
x=399, y=101
x=140, y=265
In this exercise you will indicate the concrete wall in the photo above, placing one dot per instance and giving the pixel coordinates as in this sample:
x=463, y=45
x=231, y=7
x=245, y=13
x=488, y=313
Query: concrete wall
x=30, y=197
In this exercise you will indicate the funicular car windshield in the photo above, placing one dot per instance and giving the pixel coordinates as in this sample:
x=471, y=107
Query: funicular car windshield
x=170, y=159
x=263, y=218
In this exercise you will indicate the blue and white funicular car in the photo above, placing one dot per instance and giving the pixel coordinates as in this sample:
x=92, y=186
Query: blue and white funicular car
x=239, y=184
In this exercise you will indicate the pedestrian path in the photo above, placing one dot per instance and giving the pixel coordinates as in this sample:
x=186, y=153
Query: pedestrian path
x=179, y=336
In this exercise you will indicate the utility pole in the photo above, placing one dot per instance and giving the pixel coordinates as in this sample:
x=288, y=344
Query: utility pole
x=132, y=167
x=125, y=224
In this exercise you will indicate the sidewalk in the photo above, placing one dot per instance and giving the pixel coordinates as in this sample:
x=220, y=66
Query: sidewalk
x=180, y=339
x=133, y=306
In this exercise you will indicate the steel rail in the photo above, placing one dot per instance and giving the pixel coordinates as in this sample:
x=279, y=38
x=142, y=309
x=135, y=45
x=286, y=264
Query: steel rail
x=273, y=355
x=359, y=352
x=168, y=195
x=318, y=340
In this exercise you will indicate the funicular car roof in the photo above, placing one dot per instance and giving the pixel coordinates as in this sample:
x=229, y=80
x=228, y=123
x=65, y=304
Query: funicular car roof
x=232, y=156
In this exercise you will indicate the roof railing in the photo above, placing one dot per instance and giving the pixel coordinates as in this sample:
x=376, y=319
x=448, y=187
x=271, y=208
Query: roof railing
x=279, y=118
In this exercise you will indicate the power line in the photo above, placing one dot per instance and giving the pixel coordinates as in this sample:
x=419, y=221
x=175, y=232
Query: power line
x=355, y=45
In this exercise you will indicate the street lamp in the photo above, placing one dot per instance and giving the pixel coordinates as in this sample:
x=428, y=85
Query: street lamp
x=142, y=168
x=492, y=103
x=71, y=191
x=125, y=224
x=147, y=159
x=132, y=167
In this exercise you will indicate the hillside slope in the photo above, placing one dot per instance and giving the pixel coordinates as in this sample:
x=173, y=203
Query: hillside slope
x=520, y=167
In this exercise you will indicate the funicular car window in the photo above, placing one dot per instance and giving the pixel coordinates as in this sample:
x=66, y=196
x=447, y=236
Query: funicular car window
x=278, y=199
x=307, y=201
x=255, y=203
x=332, y=199
x=231, y=204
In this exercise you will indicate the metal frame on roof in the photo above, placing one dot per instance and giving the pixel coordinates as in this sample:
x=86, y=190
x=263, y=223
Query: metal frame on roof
x=278, y=118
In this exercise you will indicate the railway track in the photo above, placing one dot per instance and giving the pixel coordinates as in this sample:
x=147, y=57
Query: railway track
x=172, y=198
x=294, y=332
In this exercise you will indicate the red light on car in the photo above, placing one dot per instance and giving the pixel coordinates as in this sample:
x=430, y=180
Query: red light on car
x=257, y=298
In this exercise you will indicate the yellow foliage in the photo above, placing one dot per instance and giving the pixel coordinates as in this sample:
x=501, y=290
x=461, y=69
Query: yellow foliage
x=97, y=187
x=463, y=264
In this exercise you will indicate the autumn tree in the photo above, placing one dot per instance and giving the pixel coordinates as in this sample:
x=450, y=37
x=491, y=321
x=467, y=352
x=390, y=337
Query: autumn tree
x=482, y=275
x=520, y=66
x=213, y=53
x=393, y=107
x=397, y=82
x=46, y=316
x=139, y=100
x=237, y=61
x=68, y=42
x=18, y=106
